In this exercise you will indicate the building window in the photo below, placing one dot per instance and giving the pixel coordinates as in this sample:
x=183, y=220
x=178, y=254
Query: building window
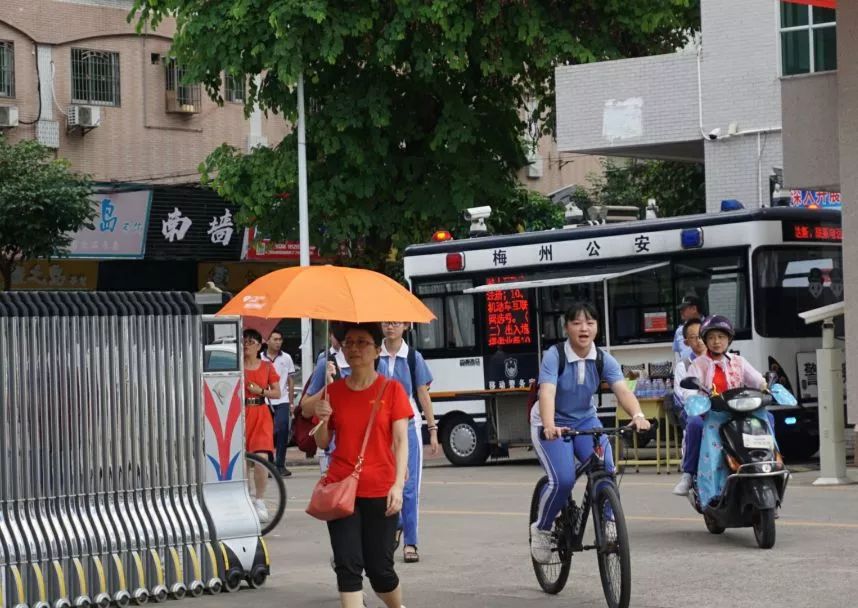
x=95, y=77
x=7, y=69
x=808, y=39
x=235, y=88
x=182, y=98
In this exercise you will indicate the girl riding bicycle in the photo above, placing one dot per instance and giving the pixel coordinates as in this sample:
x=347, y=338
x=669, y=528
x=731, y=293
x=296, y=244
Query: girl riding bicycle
x=566, y=402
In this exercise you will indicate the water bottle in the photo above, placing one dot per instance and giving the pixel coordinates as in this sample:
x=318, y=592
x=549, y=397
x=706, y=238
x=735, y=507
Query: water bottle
x=645, y=388
x=659, y=388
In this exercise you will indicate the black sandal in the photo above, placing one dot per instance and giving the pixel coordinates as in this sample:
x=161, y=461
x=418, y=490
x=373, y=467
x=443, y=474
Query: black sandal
x=410, y=555
x=397, y=539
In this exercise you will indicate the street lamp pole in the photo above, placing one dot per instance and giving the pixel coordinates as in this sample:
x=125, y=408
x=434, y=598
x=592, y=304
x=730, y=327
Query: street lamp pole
x=307, y=363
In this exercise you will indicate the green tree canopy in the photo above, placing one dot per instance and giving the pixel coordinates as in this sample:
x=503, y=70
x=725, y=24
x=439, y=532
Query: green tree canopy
x=415, y=108
x=42, y=203
x=678, y=188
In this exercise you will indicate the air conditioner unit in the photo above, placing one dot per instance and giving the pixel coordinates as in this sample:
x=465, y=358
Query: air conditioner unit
x=8, y=117
x=85, y=117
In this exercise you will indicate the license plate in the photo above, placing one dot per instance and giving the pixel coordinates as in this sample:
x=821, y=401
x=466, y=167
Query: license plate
x=758, y=442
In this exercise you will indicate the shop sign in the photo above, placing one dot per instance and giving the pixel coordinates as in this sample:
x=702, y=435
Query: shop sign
x=119, y=228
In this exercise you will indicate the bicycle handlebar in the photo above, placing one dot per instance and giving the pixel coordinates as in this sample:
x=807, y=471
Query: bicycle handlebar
x=620, y=430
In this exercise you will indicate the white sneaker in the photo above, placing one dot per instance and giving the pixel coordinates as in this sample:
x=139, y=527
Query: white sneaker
x=540, y=544
x=681, y=489
x=261, y=511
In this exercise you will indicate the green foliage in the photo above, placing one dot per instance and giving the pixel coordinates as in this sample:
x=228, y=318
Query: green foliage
x=678, y=188
x=41, y=204
x=413, y=106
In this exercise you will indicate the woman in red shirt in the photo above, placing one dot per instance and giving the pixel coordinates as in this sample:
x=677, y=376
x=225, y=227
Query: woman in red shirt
x=261, y=382
x=364, y=541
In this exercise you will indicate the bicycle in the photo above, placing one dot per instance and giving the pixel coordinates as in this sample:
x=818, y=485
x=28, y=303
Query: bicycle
x=275, y=492
x=611, y=535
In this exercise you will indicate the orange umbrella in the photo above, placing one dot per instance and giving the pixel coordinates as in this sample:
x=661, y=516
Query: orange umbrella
x=328, y=293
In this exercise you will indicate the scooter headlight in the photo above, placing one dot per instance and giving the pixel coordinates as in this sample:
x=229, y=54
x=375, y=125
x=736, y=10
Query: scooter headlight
x=745, y=404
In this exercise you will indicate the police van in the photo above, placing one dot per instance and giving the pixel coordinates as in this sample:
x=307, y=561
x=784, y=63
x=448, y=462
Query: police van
x=499, y=303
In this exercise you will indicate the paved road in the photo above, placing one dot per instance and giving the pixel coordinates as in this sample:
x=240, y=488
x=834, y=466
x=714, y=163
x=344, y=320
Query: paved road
x=474, y=549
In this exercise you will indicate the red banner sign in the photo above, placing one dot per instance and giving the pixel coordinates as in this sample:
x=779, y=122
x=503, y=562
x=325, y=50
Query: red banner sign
x=819, y=3
x=259, y=247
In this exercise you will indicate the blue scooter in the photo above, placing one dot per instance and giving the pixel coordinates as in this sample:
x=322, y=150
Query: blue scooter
x=743, y=485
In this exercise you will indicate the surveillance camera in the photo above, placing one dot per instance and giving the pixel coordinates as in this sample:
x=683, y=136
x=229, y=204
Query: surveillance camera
x=478, y=216
x=714, y=133
x=477, y=213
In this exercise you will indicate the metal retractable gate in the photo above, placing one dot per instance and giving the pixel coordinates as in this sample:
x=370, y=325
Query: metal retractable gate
x=110, y=437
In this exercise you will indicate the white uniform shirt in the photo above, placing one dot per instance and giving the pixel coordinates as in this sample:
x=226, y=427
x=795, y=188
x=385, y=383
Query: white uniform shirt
x=284, y=367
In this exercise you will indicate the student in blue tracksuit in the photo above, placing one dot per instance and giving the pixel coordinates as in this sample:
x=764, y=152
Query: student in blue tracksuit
x=394, y=363
x=566, y=402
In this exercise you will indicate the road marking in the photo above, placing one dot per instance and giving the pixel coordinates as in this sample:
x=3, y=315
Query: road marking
x=624, y=483
x=797, y=523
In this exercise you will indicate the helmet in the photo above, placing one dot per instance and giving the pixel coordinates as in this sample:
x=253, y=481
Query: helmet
x=719, y=322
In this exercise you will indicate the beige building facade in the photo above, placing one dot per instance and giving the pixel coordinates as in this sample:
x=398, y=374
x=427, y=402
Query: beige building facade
x=83, y=81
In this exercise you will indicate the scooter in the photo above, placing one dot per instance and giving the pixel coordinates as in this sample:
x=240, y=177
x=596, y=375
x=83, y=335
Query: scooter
x=744, y=485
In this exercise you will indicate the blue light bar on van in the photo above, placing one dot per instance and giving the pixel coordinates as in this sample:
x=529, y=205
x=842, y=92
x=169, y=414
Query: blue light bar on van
x=790, y=420
x=692, y=238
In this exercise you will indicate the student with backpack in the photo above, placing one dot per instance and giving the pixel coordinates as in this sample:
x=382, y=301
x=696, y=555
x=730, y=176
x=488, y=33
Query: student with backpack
x=406, y=364
x=570, y=375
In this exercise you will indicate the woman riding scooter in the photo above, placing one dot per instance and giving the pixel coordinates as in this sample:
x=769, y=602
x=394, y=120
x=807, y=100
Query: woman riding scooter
x=721, y=371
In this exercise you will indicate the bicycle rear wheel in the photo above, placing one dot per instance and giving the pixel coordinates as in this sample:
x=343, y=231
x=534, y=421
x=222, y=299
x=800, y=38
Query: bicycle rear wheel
x=551, y=576
x=613, y=551
x=275, y=492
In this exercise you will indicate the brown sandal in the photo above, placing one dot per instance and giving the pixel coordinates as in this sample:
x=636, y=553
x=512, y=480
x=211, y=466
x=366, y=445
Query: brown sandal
x=410, y=555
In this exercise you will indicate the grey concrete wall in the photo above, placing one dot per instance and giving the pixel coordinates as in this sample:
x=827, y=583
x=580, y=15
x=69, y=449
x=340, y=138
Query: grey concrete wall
x=847, y=77
x=630, y=102
x=741, y=69
x=810, y=131
x=739, y=167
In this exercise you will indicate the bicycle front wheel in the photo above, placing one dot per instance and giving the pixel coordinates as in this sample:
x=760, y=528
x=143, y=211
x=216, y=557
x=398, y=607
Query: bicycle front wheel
x=274, y=496
x=551, y=576
x=613, y=546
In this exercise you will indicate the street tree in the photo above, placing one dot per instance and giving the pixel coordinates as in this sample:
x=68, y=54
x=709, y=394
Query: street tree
x=416, y=110
x=42, y=203
x=678, y=188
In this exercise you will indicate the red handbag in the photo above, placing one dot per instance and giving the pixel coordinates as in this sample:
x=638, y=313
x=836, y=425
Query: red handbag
x=336, y=499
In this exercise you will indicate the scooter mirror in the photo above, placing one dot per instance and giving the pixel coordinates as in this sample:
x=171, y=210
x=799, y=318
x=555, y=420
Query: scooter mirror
x=771, y=378
x=697, y=405
x=782, y=396
x=690, y=383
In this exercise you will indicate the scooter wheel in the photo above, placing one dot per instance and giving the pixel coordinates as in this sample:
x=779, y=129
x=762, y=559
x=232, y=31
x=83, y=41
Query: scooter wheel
x=713, y=527
x=764, y=528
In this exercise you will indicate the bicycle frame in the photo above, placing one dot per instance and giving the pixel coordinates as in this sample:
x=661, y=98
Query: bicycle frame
x=574, y=518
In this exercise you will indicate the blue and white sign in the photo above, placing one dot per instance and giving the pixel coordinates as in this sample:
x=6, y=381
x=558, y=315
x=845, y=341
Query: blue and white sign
x=119, y=229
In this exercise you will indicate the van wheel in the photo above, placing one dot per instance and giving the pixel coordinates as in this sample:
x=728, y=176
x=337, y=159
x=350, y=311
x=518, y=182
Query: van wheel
x=463, y=443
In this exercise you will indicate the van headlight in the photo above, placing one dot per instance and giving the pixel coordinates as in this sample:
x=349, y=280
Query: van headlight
x=745, y=404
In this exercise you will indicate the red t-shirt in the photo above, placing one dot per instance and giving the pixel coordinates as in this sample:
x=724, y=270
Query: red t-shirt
x=351, y=410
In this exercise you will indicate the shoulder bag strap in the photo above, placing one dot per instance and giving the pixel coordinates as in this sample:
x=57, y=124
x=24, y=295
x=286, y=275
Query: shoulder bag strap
x=375, y=407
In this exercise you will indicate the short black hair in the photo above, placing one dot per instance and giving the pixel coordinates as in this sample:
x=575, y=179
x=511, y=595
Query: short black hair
x=275, y=331
x=688, y=323
x=338, y=330
x=580, y=308
x=252, y=334
x=373, y=329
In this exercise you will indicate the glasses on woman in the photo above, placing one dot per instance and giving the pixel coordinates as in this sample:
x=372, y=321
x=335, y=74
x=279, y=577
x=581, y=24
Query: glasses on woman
x=359, y=344
x=250, y=342
x=392, y=323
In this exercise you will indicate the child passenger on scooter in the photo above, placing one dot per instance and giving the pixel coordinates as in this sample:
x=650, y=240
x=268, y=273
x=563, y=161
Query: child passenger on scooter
x=719, y=371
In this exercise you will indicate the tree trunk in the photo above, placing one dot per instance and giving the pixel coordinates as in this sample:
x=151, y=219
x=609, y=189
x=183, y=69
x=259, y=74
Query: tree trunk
x=6, y=268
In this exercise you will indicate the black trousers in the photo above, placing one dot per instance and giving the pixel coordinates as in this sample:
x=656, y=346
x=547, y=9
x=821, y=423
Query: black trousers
x=363, y=542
